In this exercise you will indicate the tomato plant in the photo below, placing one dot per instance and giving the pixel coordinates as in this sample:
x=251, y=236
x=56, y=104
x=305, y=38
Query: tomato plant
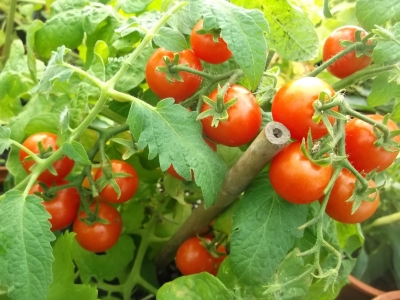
x=338, y=207
x=127, y=181
x=244, y=120
x=102, y=234
x=361, y=149
x=293, y=107
x=63, y=207
x=209, y=47
x=349, y=63
x=193, y=258
x=165, y=87
x=48, y=140
x=295, y=178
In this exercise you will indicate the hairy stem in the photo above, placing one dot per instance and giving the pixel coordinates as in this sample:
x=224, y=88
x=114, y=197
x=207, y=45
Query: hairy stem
x=9, y=30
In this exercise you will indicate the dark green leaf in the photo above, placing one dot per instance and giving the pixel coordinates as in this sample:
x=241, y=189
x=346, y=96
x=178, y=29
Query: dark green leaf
x=75, y=151
x=170, y=39
x=229, y=155
x=25, y=250
x=133, y=215
x=376, y=12
x=172, y=132
x=254, y=257
x=5, y=142
x=241, y=31
x=199, y=286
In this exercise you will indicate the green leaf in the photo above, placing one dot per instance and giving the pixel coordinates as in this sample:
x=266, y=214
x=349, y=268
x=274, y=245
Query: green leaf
x=63, y=286
x=382, y=90
x=349, y=236
x=199, y=286
x=241, y=30
x=223, y=222
x=141, y=24
x=108, y=266
x=172, y=132
x=60, y=6
x=376, y=12
x=25, y=250
x=5, y=143
x=291, y=268
x=76, y=151
x=170, y=39
x=134, y=6
x=63, y=29
x=387, y=52
x=180, y=21
x=175, y=188
x=254, y=257
x=93, y=16
x=30, y=44
x=132, y=213
x=56, y=70
x=42, y=122
x=230, y=155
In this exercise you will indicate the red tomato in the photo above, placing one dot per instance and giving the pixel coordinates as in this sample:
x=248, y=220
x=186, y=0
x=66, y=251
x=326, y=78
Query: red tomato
x=128, y=185
x=99, y=237
x=206, y=48
x=340, y=210
x=293, y=107
x=63, y=166
x=179, y=90
x=86, y=183
x=243, y=123
x=362, y=153
x=193, y=258
x=63, y=208
x=349, y=63
x=295, y=178
x=171, y=169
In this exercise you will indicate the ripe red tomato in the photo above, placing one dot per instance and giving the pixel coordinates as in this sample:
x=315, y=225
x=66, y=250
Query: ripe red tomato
x=349, y=63
x=179, y=90
x=193, y=258
x=63, y=166
x=63, y=208
x=362, y=153
x=128, y=185
x=295, y=178
x=206, y=48
x=293, y=107
x=243, y=123
x=98, y=237
x=340, y=210
x=171, y=169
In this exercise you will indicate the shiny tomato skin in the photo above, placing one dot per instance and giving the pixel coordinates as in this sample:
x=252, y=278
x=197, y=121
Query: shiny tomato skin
x=99, y=237
x=171, y=169
x=243, y=123
x=295, y=178
x=349, y=63
x=63, y=166
x=362, y=153
x=206, y=48
x=128, y=185
x=63, y=208
x=178, y=90
x=293, y=107
x=193, y=258
x=340, y=210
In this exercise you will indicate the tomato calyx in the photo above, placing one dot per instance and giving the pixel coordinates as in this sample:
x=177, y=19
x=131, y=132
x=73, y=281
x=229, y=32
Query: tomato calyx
x=93, y=216
x=215, y=33
x=171, y=74
x=361, y=46
x=212, y=244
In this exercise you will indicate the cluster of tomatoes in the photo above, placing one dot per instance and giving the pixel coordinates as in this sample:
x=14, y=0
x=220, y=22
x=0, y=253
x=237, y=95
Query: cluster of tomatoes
x=98, y=231
x=298, y=180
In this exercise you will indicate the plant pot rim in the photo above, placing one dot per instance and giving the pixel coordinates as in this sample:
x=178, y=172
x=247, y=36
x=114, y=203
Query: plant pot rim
x=393, y=295
x=364, y=288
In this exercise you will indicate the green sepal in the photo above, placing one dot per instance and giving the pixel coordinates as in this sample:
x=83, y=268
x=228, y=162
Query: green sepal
x=214, y=111
x=171, y=75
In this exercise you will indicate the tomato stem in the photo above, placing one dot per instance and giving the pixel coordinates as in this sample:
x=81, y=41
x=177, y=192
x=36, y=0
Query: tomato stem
x=9, y=31
x=386, y=220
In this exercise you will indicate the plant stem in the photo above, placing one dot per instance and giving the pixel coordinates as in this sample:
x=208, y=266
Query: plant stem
x=267, y=144
x=193, y=71
x=9, y=31
x=386, y=220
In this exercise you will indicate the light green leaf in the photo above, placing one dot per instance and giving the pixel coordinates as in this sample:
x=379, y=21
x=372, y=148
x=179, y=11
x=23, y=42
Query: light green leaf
x=134, y=6
x=107, y=266
x=387, y=52
x=349, y=236
x=382, y=90
x=25, y=250
x=42, y=122
x=30, y=44
x=141, y=24
x=170, y=39
x=199, y=286
x=76, y=151
x=5, y=143
x=241, y=31
x=182, y=20
x=254, y=258
x=63, y=286
x=172, y=132
x=93, y=16
x=60, y=6
x=376, y=12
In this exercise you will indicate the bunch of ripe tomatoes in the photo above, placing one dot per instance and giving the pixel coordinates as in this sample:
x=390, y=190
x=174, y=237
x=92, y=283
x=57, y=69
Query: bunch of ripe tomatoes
x=293, y=175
